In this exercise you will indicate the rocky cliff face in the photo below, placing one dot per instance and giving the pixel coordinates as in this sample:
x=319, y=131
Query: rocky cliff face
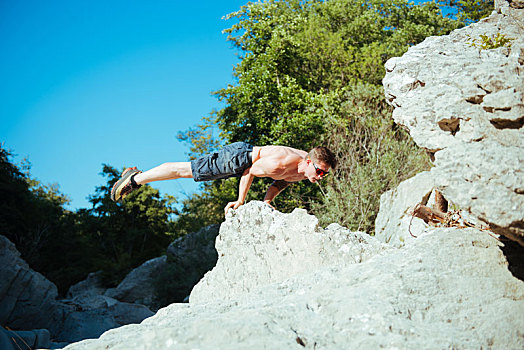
x=465, y=105
x=449, y=288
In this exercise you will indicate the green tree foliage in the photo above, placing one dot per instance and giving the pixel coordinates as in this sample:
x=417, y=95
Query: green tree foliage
x=310, y=73
x=374, y=156
x=25, y=205
x=65, y=246
x=292, y=51
x=33, y=218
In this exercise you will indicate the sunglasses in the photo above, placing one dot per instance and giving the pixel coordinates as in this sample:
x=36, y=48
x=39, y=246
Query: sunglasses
x=320, y=172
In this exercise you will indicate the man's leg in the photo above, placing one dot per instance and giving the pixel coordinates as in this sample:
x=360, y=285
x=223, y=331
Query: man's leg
x=166, y=171
x=132, y=178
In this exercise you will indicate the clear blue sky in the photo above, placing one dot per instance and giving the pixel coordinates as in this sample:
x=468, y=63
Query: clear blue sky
x=92, y=82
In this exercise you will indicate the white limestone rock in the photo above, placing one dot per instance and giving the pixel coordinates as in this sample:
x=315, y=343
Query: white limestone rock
x=466, y=105
x=395, y=224
x=484, y=178
x=448, y=289
x=258, y=245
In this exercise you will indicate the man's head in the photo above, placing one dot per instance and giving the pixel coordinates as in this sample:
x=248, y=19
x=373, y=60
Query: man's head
x=321, y=159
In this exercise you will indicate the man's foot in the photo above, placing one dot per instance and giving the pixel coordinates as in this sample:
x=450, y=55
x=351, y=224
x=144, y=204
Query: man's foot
x=125, y=185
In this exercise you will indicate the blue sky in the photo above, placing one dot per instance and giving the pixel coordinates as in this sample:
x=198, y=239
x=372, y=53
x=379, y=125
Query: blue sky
x=87, y=83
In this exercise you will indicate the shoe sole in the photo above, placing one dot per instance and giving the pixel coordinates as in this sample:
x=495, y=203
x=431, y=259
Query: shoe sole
x=120, y=184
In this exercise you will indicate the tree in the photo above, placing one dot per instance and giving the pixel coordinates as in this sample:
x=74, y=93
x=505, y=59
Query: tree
x=300, y=63
x=33, y=217
x=30, y=210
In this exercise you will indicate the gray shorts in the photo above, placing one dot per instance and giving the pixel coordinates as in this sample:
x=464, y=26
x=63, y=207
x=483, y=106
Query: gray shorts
x=230, y=161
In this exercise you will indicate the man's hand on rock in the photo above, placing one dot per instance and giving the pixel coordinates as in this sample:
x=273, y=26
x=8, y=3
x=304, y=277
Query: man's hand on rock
x=233, y=205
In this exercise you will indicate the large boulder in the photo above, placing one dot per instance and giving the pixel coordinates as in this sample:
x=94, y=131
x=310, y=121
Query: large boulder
x=195, y=247
x=258, y=245
x=85, y=324
x=27, y=299
x=450, y=288
x=465, y=105
x=95, y=314
x=137, y=286
x=188, y=259
x=92, y=285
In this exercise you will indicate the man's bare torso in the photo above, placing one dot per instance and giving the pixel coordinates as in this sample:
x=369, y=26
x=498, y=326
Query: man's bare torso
x=278, y=163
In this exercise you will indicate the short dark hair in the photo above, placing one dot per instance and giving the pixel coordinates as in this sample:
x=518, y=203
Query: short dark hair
x=324, y=155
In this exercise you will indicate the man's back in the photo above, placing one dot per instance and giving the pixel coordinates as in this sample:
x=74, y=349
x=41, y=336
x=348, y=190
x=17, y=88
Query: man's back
x=277, y=162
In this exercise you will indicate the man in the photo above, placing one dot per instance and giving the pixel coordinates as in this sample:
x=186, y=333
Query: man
x=283, y=164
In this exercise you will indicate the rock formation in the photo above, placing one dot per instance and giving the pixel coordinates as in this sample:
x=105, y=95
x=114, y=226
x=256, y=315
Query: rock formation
x=29, y=301
x=464, y=104
x=395, y=224
x=189, y=258
x=258, y=246
x=137, y=286
x=450, y=288
x=92, y=285
x=35, y=339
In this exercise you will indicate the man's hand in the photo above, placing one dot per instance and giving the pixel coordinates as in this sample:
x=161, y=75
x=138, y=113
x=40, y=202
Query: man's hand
x=233, y=205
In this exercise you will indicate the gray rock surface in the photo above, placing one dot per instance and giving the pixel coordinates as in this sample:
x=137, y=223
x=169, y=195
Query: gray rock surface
x=95, y=314
x=195, y=247
x=85, y=324
x=89, y=316
x=27, y=299
x=450, y=288
x=188, y=259
x=92, y=285
x=34, y=339
x=258, y=245
x=137, y=286
x=466, y=105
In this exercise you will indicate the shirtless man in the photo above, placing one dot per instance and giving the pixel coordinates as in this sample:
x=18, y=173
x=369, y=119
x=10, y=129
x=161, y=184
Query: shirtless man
x=283, y=164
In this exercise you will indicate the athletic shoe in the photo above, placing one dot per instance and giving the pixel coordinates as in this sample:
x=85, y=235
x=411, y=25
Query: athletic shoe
x=125, y=185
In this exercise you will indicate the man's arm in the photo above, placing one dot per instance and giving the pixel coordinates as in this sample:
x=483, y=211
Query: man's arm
x=274, y=189
x=243, y=187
